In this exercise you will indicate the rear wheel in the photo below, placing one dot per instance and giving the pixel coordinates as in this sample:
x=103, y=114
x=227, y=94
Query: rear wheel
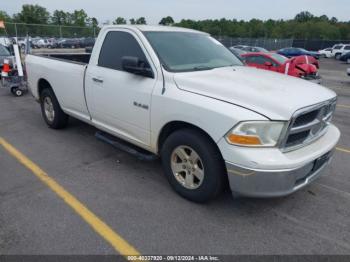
x=337, y=56
x=348, y=61
x=193, y=165
x=52, y=113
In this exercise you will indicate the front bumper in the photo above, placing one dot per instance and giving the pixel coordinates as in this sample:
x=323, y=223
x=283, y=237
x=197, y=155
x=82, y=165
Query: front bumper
x=274, y=183
x=269, y=172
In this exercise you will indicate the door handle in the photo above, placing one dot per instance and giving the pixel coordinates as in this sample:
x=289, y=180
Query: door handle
x=97, y=80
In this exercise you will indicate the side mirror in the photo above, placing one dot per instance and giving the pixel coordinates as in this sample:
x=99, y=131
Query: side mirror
x=135, y=66
x=268, y=64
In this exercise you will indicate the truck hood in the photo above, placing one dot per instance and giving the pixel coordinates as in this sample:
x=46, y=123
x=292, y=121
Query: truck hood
x=273, y=95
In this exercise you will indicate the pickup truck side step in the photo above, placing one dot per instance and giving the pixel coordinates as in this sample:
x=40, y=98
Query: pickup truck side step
x=125, y=146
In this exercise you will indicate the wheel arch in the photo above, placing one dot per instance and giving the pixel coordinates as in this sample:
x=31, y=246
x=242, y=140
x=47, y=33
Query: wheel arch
x=174, y=126
x=43, y=84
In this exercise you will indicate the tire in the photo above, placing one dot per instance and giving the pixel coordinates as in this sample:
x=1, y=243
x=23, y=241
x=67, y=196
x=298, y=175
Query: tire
x=51, y=111
x=16, y=91
x=209, y=165
x=337, y=56
x=348, y=61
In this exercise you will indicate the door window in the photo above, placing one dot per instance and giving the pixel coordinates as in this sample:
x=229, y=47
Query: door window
x=116, y=45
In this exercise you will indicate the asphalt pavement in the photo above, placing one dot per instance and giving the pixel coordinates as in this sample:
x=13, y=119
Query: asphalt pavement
x=134, y=199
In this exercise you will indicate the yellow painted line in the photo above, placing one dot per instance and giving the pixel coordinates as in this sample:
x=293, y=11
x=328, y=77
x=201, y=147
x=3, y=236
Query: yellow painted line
x=343, y=150
x=119, y=244
x=343, y=106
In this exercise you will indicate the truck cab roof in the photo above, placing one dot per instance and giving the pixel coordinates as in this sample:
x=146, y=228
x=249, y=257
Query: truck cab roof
x=154, y=28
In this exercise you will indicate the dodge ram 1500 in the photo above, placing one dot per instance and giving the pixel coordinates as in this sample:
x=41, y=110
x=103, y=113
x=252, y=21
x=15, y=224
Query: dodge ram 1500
x=183, y=96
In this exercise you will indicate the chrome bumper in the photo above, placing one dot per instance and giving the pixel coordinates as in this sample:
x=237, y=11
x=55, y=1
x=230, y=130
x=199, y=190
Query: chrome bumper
x=275, y=183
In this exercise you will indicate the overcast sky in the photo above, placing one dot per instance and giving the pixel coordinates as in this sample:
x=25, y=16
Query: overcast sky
x=154, y=10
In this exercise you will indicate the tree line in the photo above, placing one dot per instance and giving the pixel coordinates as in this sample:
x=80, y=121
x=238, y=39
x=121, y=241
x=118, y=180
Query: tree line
x=304, y=25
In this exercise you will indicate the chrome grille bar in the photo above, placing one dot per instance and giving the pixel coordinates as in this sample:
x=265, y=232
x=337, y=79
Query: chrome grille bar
x=307, y=125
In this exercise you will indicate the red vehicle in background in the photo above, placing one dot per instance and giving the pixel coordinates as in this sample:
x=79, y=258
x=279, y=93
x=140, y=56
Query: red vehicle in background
x=305, y=67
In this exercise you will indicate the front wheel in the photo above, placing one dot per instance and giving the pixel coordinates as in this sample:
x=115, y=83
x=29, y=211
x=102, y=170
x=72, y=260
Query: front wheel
x=337, y=56
x=52, y=113
x=193, y=165
x=348, y=61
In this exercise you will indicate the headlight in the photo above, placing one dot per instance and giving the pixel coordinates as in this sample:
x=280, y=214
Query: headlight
x=256, y=133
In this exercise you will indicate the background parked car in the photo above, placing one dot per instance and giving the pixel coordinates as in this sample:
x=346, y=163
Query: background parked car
x=302, y=66
x=87, y=42
x=52, y=43
x=293, y=51
x=237, y=52
x=340, y=50
x=335, y=48
x=345, y=58
x=247, y=48
x=239, y=46
x=254, y=49
x=69, y=43
x=306, y=60
x=327, y=53
x=22, y=43
x=42, y=43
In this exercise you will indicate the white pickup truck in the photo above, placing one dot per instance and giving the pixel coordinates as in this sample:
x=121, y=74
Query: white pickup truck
x=181, y=95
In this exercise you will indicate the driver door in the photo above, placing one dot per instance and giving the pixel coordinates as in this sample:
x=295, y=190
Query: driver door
x=120, y=102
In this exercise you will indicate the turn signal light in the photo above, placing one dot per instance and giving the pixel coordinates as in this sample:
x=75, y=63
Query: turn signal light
x=244, y=140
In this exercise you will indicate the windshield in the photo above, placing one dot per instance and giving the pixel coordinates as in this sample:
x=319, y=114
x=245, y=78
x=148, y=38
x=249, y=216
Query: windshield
x=237, y=51
x=182, y=51
x=281, y=59
x=261, y=49
x=4, y=51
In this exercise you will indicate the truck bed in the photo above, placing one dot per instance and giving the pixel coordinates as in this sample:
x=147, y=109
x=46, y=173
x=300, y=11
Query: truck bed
x=66, y=75
x=82, y=58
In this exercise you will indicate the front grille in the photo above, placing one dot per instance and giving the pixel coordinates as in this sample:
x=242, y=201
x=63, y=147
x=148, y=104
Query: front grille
x=308, y=124
x=306, y=118
x=298, y=138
